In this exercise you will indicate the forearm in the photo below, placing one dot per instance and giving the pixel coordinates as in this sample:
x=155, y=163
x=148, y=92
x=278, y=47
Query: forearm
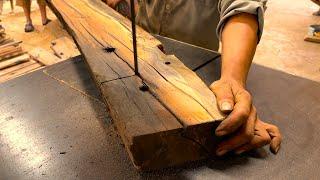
x=239, y=41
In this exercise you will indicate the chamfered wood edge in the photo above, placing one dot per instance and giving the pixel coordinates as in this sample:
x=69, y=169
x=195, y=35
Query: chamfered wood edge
x=175, y=147
x=165, y=147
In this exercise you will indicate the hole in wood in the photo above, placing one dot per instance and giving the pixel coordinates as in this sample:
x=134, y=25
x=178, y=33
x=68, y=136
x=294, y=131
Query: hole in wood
x=144, y=87
x=167, y=62
x=109, y=49
x=160, y=46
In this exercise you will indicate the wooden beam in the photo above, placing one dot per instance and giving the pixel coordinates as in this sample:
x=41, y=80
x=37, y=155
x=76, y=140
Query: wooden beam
x=14, y=43
x=20, y=72
x=5, y=40
x=14, y=61
x=312, y=39
x=16, y=68
x=167, y=115
x=10, y=51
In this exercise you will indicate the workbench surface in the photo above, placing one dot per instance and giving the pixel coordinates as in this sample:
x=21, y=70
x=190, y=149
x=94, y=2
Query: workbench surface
x=54, y=125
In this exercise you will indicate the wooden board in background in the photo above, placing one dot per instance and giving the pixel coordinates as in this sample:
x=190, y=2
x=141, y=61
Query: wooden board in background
x=64, y=48
x=17, y=67
x=14, y=61
x=20, y=72
x=312, y=39
x=5, y=40
x=43, y=56
x=10, y=51
x=14, y=43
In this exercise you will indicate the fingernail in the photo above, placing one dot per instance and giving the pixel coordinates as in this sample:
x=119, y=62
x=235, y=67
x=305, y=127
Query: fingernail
x=277, y=149
x=226, y=106
x=221, y=132
x=221, y=152
x=240, y=151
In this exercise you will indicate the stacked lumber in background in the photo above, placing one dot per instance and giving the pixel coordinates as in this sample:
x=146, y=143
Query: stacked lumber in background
x=3, y=38
x=8, y=47
x=313, y=33
x=14, y=61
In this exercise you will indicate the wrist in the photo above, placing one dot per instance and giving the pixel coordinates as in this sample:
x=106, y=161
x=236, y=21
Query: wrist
x=233, y=79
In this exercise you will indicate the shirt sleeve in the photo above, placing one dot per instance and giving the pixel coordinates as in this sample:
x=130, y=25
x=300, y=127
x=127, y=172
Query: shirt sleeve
x=228, y=8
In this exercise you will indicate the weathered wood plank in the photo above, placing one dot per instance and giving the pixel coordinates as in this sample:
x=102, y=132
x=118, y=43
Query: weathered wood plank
x=17, y=67
x=152, y=135
x=312, y=39
x=104, y=66
x=19, y=72
x=43, y=56
x=64, y=48
x=14, y=61
x=14, y=43
x=5, y=40
x=178, y=91
x=10, y=51
x=173, y=121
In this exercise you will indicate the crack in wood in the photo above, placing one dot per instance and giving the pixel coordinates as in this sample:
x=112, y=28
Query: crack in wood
x=103, y=82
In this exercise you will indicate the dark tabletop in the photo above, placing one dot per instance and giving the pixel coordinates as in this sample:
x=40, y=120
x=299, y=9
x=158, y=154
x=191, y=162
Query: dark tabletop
x=54, y=125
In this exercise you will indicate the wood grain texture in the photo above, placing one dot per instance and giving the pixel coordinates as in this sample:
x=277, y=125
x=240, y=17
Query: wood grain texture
x=312, y=39
x=6, y=40
x=43, y=56
x=170, y=123
x=14, y=61
x=20, y=72
x=17, y=67
x=176, y=86
x=14, y=43
x=152, y=135
x=10, y=51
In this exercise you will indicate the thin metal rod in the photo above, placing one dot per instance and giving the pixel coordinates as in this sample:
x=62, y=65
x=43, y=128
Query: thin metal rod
x=134, y=38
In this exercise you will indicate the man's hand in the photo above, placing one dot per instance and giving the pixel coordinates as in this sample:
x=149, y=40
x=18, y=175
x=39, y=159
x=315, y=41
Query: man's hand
x=248, y=131
x=244, y=129
x=264, y=134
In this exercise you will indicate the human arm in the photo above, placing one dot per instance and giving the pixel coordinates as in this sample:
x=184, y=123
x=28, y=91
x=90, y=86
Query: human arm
x=239, y=36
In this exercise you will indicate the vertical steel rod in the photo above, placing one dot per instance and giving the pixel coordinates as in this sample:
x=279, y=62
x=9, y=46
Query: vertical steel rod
x=134, y=38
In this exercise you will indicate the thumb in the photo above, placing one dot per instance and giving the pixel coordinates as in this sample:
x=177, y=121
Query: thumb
x=224, y=95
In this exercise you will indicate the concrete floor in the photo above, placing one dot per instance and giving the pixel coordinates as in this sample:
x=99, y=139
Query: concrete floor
x=282, y=46
x=41, y=37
